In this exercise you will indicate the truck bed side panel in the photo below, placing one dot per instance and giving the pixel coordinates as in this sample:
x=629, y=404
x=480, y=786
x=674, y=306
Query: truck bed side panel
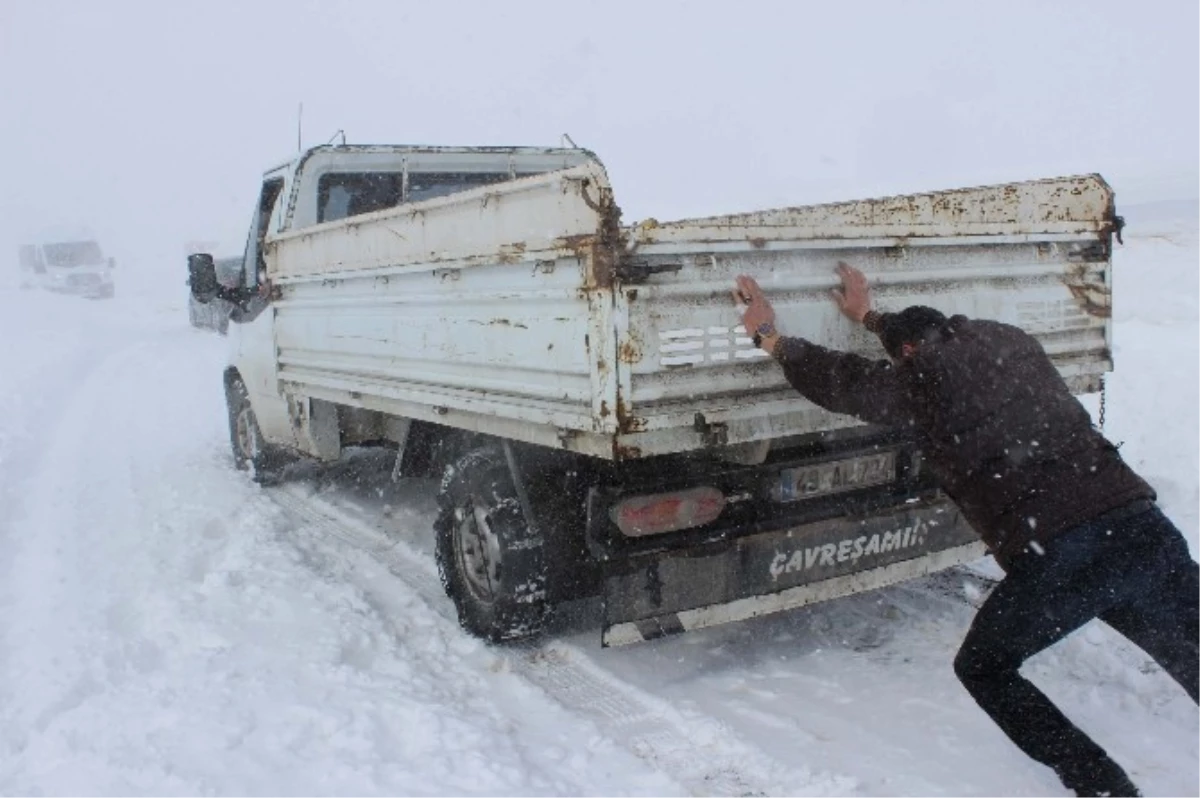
x=477, y=310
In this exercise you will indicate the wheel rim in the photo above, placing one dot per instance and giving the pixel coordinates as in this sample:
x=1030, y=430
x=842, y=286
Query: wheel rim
x=478, y=551
x=247, y=440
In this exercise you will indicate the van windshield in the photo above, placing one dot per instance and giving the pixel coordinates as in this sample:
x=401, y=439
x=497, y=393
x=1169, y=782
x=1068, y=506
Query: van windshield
x=73, y=253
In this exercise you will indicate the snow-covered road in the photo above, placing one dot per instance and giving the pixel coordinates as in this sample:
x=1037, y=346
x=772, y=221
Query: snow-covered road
x=168, y=627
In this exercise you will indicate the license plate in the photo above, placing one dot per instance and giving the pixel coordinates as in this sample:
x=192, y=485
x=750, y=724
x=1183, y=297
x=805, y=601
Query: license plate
x=836, y=476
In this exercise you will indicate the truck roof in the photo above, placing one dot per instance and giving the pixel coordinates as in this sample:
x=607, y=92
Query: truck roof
x=422, y=149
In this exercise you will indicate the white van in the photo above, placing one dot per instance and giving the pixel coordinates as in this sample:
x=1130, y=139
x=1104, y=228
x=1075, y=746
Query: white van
x=69, y=267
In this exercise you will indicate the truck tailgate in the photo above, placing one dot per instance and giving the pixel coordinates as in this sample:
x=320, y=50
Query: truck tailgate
x=1033, y=254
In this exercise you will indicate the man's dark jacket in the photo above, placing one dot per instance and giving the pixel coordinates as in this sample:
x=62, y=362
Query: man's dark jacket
x=996, y=423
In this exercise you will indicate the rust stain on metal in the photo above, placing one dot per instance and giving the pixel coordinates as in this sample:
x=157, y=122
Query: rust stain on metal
x=758, y=242
x=629, y=352
x=626, y=421
x=604, y=411
x=579, y=245
x=601, y=250
x=630, y=424
x=512, y=253
x=1090, y=292
x=625, y=452
x=501, y=323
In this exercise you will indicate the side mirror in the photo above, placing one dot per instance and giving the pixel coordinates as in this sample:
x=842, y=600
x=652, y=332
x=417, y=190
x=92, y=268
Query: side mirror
x=112, y=263
x=202, y=277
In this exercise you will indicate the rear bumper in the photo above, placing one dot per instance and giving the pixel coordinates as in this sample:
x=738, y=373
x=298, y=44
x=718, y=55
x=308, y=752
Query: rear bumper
x=673, y=591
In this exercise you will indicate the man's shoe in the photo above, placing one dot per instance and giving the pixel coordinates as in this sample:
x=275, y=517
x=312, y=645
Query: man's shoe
x=1109, y=781
x=1129, y=790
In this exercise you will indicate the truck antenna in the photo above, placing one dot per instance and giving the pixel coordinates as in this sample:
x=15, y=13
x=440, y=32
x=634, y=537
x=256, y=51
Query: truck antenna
x=568, y=140
x=300, y=129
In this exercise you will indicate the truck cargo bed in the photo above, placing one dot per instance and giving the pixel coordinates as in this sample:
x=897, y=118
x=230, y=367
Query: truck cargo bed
x=525, y=310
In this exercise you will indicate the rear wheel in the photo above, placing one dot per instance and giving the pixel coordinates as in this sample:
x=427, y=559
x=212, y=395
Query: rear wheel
x=250, y=451
x=490, y=561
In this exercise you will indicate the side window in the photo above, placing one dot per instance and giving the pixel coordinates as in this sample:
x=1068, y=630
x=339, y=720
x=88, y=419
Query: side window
x=252, y=262
x=427, y=185
x=340, y=195
x=344, y=194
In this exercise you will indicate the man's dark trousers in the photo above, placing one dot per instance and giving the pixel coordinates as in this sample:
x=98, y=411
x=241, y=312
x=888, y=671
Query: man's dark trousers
x=1131, y=569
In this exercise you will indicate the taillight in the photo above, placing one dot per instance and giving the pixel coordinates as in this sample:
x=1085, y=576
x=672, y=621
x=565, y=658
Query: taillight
x=667, y=512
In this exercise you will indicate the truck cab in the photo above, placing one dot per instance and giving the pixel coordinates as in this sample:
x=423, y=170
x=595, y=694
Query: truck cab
x=322, y=188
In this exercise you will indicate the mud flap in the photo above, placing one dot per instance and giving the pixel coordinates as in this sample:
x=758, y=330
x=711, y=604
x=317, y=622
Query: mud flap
x=673, y=591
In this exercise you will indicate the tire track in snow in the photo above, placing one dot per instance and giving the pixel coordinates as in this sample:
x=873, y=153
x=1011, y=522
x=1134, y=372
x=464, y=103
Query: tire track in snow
x=702, y=754
x=154, y=649
x=44, y=627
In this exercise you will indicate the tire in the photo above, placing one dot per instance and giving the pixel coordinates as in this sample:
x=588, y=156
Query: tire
x=490, y=561
x=250, y=451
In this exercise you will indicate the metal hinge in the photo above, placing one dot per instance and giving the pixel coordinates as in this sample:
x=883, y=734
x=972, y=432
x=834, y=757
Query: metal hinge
x=638, y=271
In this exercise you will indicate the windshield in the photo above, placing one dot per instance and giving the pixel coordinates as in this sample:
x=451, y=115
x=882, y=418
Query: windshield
x=73, y=253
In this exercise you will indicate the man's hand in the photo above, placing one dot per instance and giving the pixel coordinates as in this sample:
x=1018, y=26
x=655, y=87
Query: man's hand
x=757, y=314
x=854, y=297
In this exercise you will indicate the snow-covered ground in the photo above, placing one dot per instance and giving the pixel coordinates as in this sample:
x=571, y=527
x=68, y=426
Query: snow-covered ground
x=168, y=627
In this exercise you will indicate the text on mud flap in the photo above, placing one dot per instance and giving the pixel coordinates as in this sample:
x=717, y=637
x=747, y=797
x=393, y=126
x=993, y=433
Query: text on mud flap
x=848, y=549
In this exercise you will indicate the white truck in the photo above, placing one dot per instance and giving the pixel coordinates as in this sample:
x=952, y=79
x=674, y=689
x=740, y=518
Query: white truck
x=67, y=266
x=599, y=419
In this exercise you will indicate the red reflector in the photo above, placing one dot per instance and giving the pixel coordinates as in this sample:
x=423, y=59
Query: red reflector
x=667, y=512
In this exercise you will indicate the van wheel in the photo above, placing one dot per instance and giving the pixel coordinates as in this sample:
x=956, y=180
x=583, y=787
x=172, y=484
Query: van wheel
x=490, y=562
x=250, y=451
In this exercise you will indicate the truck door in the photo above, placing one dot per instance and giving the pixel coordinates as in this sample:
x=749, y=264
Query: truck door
x=255, y=335
x=253, y=264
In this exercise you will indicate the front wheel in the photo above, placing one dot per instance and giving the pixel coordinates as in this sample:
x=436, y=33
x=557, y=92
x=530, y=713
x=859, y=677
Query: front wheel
x=490, y=561
x=250, y=451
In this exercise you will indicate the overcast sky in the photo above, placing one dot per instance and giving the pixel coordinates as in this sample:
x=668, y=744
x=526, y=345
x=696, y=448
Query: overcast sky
x=151, y=122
